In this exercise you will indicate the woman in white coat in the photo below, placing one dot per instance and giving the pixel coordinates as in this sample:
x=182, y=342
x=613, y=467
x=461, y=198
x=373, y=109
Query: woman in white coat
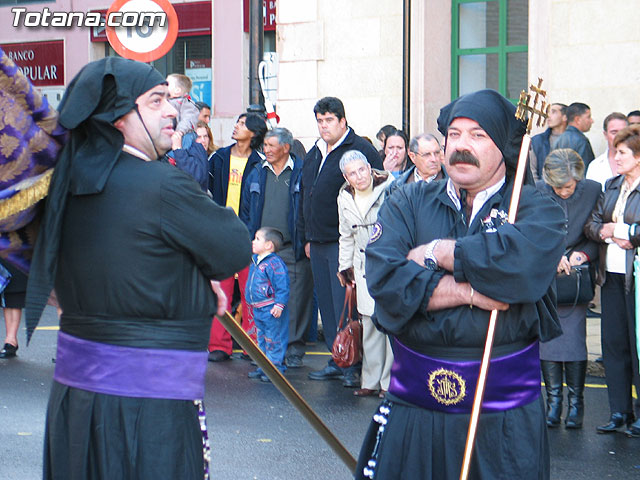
x=359, y=200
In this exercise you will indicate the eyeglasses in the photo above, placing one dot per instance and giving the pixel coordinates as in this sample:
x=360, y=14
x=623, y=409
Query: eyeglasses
x=429, y=154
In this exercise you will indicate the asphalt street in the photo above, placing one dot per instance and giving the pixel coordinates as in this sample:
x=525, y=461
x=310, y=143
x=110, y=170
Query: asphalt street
x=257, y=435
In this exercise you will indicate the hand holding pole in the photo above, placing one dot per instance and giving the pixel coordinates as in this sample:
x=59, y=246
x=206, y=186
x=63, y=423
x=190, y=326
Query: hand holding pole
x=521, y=114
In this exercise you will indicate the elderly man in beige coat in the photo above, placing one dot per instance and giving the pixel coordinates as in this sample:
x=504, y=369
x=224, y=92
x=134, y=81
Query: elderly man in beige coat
x=359, y=200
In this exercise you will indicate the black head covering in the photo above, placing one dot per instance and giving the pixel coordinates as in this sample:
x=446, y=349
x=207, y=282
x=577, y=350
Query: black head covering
x=100, y=93
x=496, y=115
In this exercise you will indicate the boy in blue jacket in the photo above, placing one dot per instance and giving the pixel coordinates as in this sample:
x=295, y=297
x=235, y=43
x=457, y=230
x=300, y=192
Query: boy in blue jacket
x=267, y=292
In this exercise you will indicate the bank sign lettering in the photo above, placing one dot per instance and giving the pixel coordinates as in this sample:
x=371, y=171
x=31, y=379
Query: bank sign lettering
x=41, y=62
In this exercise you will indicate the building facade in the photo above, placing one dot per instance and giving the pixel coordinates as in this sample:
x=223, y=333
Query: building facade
x=585, y=50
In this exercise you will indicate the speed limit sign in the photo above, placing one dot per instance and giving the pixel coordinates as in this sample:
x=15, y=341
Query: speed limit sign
x=142, y=30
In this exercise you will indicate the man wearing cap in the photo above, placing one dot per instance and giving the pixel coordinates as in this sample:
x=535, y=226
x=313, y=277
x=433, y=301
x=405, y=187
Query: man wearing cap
x=441, y=257
x=131, y=244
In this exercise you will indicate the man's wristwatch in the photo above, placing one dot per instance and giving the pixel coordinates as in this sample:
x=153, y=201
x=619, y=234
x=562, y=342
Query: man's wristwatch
x=430, y=261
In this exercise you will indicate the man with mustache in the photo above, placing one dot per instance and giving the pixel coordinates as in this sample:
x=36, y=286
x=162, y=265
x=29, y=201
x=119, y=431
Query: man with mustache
x=132, y=245
x=441, y=257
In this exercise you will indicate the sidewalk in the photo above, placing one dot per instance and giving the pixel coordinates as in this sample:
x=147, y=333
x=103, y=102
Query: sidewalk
x=594, y=347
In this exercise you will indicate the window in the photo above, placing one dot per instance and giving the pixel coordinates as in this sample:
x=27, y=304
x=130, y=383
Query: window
x=489, y=46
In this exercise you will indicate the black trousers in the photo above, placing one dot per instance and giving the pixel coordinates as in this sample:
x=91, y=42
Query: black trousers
x=619, y=352
x=324, y=265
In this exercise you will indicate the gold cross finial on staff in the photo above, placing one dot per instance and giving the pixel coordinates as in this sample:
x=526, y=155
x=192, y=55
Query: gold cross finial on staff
x=523, y=106
x=521, y=112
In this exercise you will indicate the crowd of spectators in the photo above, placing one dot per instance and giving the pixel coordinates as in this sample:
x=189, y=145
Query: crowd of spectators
x=323, y=205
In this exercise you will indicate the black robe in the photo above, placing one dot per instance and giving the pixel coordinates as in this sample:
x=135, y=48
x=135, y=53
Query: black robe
x=511, y=263
x=133, y=270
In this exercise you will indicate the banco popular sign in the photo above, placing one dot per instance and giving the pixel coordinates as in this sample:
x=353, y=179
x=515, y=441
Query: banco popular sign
x=41, y=62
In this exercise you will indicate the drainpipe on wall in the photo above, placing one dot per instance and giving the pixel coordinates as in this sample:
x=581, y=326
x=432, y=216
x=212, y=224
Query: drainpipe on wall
x=256, y=47
x=406, y=66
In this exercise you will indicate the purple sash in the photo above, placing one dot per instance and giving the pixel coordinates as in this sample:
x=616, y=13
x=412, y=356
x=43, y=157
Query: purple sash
x=449, y=386
x=128, y=371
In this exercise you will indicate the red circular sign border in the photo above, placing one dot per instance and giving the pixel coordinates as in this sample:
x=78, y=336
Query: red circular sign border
x=165, y=46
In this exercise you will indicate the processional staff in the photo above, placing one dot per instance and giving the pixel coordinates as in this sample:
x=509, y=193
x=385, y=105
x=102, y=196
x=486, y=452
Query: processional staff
x=290, y=393
x=540, y=114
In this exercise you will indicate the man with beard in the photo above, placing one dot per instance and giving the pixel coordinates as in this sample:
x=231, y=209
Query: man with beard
x=441, y=257
x=131, y=244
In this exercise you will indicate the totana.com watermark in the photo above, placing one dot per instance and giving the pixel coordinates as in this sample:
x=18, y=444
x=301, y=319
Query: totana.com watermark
x=47, y=18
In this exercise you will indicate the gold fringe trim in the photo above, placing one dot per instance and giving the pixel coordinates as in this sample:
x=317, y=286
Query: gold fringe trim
x=26, y=198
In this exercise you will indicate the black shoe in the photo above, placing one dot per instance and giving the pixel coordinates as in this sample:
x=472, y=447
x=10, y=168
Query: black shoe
x=293, y=361
x=351, y=380
x=616, y=421
x=634, y=430
x=8, y=351
x=257, y=373
x=327, y=373
x=218, y=356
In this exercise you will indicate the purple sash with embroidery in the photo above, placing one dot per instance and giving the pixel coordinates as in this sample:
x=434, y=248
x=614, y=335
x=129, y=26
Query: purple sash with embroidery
x=129, y=371
x=449, y=386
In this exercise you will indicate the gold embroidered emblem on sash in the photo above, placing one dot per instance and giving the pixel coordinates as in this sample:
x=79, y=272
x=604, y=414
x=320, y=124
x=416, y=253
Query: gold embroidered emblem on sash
x=446, y=386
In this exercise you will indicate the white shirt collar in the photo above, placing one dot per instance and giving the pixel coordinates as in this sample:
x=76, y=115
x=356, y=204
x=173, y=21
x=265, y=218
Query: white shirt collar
x=479, y=200
x=289, y=164
x=418, y=178
x=135, y=152
x=322, y=145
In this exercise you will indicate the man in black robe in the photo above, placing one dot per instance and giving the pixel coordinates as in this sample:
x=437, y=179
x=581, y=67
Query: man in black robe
x=132, y=245
x=441, y=257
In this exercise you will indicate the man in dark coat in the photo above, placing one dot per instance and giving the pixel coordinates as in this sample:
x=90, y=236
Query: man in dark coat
x=321, y=182
x=580, y=122
x=132, y=244
x=441, y=257
x=544, y=142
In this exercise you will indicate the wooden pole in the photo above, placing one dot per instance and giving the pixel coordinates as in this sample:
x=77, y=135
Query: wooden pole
x=486, y=356
x=287, y=390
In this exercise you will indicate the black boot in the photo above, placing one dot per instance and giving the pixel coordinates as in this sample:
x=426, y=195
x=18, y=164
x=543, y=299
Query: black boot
x=552, y=375
x=575, y=373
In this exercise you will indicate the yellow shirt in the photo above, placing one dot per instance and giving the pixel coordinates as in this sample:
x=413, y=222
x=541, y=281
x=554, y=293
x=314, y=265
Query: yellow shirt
x=236, y=168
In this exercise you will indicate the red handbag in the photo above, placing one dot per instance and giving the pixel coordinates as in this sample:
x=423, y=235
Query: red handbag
x=347, y=346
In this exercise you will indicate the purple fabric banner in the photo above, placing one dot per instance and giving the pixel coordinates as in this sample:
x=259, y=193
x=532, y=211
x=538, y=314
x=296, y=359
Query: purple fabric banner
x=30, y=139
x=128, y=371
x=449, y=386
